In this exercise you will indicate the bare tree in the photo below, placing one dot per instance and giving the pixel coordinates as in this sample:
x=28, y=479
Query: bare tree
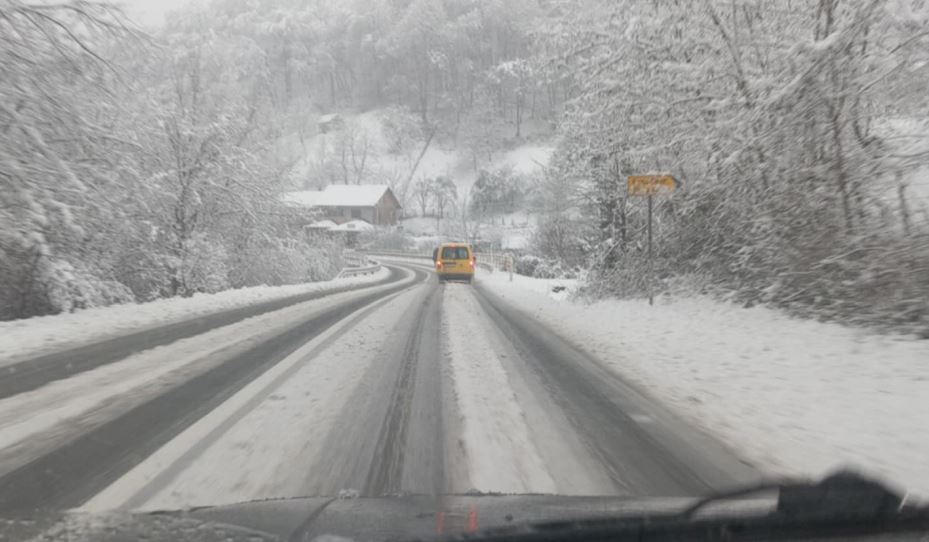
x=423, y=191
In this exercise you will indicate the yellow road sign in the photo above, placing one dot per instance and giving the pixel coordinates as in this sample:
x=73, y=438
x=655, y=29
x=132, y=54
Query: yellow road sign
x=647, y=185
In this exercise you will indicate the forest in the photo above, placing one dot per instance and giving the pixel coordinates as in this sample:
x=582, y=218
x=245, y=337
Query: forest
x=798, y=131
x=137, y=164
x=142, y=164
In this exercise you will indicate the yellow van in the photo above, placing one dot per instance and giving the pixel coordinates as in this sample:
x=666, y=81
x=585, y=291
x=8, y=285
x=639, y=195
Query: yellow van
x=454, y=261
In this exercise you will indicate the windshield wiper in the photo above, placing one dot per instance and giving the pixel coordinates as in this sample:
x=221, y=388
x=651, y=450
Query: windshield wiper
x=843, y=494
x=844, y=504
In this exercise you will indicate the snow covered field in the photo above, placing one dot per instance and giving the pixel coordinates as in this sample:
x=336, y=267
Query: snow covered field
x=527, y=159
x=792, y=396
x=25, y=338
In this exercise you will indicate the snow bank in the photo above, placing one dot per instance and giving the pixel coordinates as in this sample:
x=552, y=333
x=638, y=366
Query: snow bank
x=21, y=339
x=793, y=396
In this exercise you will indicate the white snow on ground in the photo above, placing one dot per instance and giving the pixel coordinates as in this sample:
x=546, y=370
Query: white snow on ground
x=64, y=407
x=270, y=430
x=367, y=129
x=421, y=226
x=528, y=159
x=515, y=241
x=557, y=289
x=500, y=453
x=792, y=396
x=22, y=339
x=380, y=164
x=511, y=231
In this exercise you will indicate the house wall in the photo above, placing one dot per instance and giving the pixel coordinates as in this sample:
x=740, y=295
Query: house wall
x=344, y=214
x=387, y=212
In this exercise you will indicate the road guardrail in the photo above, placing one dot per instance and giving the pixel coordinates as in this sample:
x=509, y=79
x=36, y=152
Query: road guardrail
x=358, y=264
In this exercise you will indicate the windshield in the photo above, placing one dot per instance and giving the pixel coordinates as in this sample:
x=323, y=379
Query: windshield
x=379, y=248
x=454, y=253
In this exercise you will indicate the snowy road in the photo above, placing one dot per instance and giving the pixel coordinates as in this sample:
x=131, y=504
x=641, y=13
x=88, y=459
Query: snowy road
x=408, y=387
x=25, y=373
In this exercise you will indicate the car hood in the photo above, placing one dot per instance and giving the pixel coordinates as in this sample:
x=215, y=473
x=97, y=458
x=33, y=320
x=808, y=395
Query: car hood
x=363, y=519
x=412, y=517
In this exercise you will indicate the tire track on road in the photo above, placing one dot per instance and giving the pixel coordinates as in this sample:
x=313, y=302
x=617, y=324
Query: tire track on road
x=35, y=372
x=409, y=451
x=72, y=473
x=388, y=438
x=169, y=474
x=661, y=457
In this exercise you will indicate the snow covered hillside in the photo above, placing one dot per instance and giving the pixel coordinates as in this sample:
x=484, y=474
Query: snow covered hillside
x=793, y=396
x=362, y=150
x=359, y=153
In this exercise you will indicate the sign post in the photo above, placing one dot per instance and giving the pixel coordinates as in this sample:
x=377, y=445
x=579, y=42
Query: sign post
x=648, y=186
x=648, y=279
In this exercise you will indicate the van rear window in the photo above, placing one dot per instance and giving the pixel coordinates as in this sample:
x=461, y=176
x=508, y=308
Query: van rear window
x=455, y=253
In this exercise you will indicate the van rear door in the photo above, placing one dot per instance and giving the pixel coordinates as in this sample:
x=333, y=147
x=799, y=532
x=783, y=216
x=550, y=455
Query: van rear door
x=456, y=259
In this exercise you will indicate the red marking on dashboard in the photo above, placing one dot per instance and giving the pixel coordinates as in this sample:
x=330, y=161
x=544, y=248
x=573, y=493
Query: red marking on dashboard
x=472, y=520
x=440, y=523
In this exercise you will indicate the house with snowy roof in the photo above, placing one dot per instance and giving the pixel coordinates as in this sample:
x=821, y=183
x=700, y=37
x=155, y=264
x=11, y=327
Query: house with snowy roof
x=373, y=203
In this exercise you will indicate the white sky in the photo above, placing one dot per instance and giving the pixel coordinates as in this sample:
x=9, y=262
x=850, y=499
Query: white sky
x=150, y=12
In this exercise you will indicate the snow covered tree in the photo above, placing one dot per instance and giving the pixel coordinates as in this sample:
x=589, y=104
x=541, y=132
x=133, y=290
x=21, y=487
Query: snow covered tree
x=771, y=118
x=516, y=78
x=132, y=172
x=497, y=192
x=59, y=165
x=445, y=194
x=481, y=131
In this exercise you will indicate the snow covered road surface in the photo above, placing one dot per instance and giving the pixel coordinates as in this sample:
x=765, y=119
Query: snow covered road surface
x=498, y=446
x=404, y=388
x=422, y=393
x=793, y=396
x=247, y=448
x=31, y=337
x=30, y=421
x=115, y=427
x=22, y=375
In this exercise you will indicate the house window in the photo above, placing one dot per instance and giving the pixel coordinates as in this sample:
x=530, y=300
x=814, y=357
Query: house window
x=356, y=213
